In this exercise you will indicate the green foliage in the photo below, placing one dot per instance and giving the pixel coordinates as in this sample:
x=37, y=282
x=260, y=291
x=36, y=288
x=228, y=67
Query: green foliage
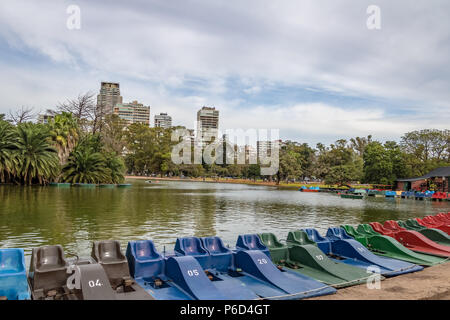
x=86, y=166
x=89, y=163
x=149, y=150
x=339, y=164
x=290, y=161
x=100, y=150
x=64, y=134
x=37, y=159
x=425, y=150
x=8, y=150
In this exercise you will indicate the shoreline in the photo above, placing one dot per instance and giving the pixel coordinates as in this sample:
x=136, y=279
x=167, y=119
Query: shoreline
x=211, y=180
x=432, y=283
x=235, y=181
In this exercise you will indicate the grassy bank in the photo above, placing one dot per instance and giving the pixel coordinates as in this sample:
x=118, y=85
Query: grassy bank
x=247, y=181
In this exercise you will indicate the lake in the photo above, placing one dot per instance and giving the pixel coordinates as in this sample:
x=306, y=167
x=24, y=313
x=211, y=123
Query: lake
x=74, y=217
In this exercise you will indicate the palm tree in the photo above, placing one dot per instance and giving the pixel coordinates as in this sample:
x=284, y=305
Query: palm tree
x=8, y=150
x=37, y=159
x=86, y=166
x=116, y=166
x=64, y=134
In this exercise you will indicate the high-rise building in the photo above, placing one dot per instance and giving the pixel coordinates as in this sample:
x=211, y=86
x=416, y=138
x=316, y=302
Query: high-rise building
x=265, y=147
x=133, y=112
x=108, y=98
x=163, y=120
x=250, y=154
x=207, y=124
x=44, y=118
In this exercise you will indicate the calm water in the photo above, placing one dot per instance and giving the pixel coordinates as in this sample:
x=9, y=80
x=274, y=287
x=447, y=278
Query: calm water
x=74, y=217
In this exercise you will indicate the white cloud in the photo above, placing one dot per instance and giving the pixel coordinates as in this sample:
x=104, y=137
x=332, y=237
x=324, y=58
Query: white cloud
x=253, y=90
x=180, y=55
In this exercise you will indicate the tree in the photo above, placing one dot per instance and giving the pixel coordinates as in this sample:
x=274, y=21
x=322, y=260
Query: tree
x=383, y=164
x=64, y=134
x=339, y=164
x=254, y=171
x=426, y=149
x=8, y=150
x=84, y=109
x=86, y=166
x=22, y=115
x=378, y=166
x=359, y=144
x=37, y=159
x=290, y=162
x=113, y=133
x=344, y=174
x=398, y=160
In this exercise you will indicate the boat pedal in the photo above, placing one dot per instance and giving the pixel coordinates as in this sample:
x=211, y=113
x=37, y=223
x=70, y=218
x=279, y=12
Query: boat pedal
x=158, y=283
x=3, y=298
x=209, y=275
x=52, y=293
x=128, y=282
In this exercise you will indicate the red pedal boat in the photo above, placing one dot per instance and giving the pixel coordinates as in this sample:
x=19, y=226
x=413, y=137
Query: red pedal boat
x=443, y=217
x=430, y=224
x=411, y=239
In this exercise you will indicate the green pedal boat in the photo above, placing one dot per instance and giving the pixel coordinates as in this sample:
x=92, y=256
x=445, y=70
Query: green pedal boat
x=304, y=256
x=388, y=246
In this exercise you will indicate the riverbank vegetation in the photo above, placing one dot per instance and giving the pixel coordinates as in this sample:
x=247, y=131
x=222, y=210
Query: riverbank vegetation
x=58, y=151
x=80, y=145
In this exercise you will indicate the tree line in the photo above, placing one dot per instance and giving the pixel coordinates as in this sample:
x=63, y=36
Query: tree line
x=69, y=148
x=79, y=145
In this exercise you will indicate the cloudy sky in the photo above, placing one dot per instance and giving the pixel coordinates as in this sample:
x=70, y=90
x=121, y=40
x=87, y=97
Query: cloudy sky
x=309, y=68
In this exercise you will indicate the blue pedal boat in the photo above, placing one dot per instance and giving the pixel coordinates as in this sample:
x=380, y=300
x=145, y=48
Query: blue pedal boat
x=169, y=278
x=216, y=262
x=253, y=267
x=13, y=275
x=340, y=246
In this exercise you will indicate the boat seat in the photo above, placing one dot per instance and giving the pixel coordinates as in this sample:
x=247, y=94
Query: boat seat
x=11, y=262
x=278, y=251
x=192, y=246
x=144, y=260
x=412, y=224
x=109, y=255
x=299, y=237
x=221, y=258
x=251, y=242
x=366, y=229
x=13, y=275
x=323, y=243
x=336, y=233
x=393, y=225
x=50, y=258
x=271, y=241
x=350, y=230
x=48, y=268
x=378, y=227
x=108, y=252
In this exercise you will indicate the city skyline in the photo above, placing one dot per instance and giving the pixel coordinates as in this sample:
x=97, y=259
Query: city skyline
x=317, y=73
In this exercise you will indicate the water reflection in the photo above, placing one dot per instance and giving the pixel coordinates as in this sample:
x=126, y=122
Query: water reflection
x=74, y=217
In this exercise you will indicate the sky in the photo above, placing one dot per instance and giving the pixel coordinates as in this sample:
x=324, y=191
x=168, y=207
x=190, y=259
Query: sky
x=312, y=69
